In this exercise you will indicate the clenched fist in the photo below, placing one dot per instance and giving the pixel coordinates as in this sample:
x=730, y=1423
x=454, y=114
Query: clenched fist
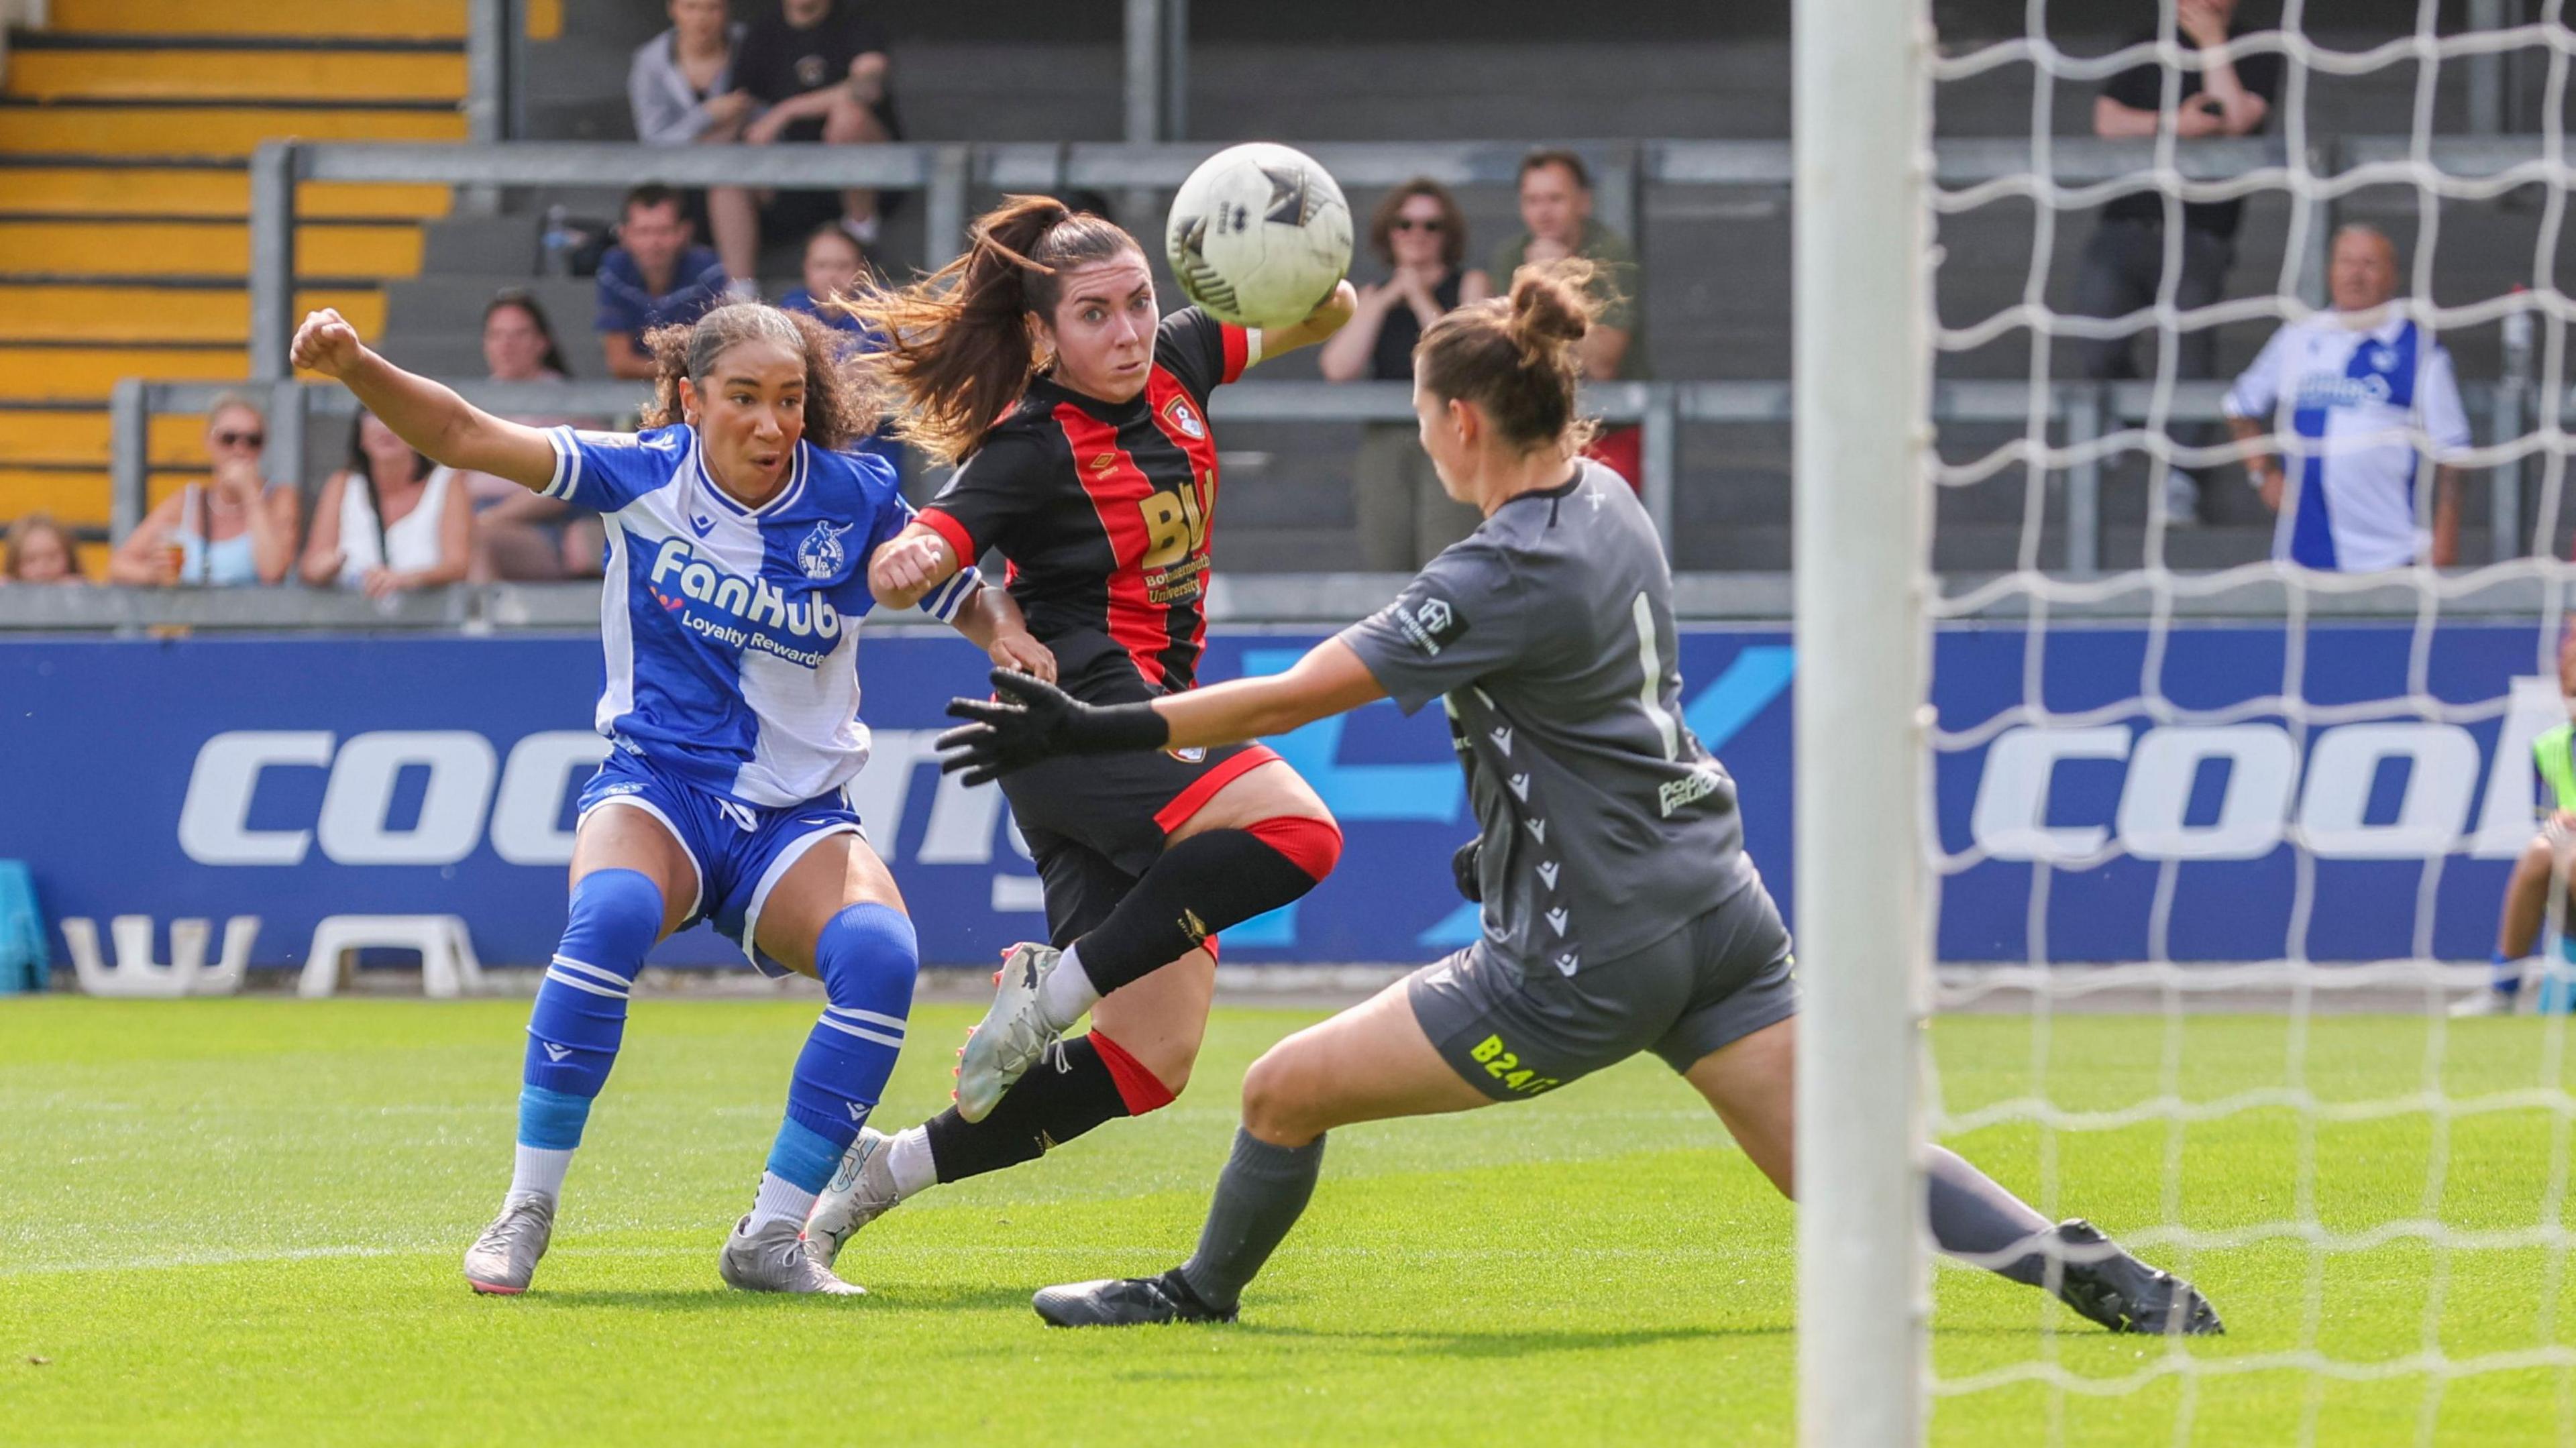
x=327, y=344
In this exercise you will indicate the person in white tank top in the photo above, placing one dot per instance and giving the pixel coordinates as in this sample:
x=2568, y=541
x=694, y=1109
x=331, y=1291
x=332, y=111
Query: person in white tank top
x=390, y=521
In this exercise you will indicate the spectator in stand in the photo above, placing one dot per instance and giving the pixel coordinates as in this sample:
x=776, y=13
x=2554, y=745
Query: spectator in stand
x=818, y=69
x=834, y=268
x=1404, y=515
x=2123, y=265
x=1556, y=207
x=653, y=276
x=519, y=535
x=41, y=551
x=2357, y=383
x=234, y=529
x=390, y=521
x=680, y=84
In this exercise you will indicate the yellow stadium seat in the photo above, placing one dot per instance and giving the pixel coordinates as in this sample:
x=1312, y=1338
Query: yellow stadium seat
x=361, y=76
x=334, y=19
x=208, y=131
x=72, y=312
x=199, y=249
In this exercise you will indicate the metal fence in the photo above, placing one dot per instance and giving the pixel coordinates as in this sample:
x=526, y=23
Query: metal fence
x=2084, y=412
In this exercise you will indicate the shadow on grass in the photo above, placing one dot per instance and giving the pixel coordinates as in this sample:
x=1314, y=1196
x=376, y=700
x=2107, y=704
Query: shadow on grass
x=881, y=1299
x=1509, y=1343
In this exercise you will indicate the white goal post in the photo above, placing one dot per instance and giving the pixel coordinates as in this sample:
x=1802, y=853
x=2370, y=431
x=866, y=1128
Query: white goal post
x=1861, y=119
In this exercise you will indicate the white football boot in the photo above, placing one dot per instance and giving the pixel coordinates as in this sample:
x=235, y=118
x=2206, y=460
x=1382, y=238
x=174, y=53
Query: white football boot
x=861, y=1191
x=1012, y=1035
x=504, y=1258
x=773, y=1260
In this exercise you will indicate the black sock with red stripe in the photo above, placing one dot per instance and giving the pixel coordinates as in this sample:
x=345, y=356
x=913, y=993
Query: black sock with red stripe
x=1073, y=1088
x=1203, y=885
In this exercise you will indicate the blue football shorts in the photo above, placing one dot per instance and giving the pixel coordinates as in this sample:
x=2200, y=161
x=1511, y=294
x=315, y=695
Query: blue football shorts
x=740, y=851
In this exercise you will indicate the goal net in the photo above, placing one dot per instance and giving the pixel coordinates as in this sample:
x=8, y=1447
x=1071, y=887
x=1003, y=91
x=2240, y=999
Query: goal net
x=2210, y=846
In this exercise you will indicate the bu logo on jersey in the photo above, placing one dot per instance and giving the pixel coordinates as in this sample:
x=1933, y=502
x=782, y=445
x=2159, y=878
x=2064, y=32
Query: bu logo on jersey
x=1178, y=410
x=821, y=554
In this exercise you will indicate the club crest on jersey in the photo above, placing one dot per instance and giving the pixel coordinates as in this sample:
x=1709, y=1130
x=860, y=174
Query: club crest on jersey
x=821, y=554
x=1178, y=410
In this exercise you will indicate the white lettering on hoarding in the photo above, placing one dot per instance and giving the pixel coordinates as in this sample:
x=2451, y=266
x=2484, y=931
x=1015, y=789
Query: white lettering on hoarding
x=2440, y=808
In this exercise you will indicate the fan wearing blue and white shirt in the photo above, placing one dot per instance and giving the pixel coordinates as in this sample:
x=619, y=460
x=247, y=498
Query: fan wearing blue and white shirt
x=739, y=534
x=2354, y=386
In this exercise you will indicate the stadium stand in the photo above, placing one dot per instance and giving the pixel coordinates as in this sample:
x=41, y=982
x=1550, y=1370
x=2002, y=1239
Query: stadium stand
x=152, y=291
x=124, y=130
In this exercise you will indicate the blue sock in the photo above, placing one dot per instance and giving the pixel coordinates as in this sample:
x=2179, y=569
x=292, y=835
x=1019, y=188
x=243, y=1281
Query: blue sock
x=2507, y=974
x=579, y=1018
x=867, y=957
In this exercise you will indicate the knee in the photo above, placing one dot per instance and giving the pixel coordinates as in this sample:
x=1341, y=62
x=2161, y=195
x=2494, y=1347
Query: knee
x=1313, y=843
x=617, y=915
x=2538, y=859
x=868, y=957
x=1275, y=1098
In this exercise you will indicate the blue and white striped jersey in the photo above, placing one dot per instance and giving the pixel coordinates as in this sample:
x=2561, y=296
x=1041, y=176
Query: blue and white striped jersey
x=732, y=632
x=2355, y=397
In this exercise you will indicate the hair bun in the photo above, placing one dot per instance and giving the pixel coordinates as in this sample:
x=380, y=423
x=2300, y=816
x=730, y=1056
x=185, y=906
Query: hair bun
x=1552, y=304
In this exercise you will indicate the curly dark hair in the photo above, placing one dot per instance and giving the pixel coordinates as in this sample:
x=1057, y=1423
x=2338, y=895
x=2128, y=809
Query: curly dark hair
x=841, y=400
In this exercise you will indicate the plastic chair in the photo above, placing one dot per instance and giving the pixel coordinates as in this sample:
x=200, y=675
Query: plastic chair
x=448, y=967
x=135, y=973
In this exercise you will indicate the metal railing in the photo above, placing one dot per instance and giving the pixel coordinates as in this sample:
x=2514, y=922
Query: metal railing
x=2084, y=411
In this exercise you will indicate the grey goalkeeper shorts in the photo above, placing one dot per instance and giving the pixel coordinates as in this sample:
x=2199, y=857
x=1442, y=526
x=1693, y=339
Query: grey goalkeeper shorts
x=1718, y=979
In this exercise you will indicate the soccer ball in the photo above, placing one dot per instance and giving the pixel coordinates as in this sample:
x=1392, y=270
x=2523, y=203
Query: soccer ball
x=1259, y=235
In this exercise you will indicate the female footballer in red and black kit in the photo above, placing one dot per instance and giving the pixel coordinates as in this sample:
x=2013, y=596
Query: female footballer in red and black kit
x=1078, y=418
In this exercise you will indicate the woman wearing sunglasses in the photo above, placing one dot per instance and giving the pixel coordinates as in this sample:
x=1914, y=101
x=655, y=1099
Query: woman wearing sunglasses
x=1404, y=517
x=234, y=528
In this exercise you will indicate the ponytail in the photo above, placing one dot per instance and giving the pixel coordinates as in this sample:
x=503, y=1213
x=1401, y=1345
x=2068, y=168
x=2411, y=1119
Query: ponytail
x=1514, y=355
x=959, y=349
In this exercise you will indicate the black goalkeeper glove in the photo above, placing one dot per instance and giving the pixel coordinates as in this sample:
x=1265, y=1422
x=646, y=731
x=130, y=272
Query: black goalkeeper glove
x=1462, y=868
x=1030, y=720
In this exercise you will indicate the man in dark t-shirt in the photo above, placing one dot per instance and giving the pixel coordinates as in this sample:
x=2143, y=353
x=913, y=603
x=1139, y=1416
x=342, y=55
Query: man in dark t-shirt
x=2124, y=262
x=818, y=71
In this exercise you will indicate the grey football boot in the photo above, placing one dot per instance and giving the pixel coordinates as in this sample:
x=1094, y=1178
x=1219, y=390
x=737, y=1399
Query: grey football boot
x=2124, y=1294
x=861, y=1191
x=1012, y=1035
x=504, y=1258
x=773, y=1260
x=1126, y=1302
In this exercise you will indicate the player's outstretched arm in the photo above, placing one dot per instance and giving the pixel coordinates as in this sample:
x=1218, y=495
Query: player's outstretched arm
x=1030, y=720
x=1322, y=322
x=428, y=415
x=909, y=565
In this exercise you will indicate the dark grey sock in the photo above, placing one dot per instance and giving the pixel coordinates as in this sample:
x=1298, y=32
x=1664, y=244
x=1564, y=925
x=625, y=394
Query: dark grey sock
x=1260, y=1196
x=1972, y=1214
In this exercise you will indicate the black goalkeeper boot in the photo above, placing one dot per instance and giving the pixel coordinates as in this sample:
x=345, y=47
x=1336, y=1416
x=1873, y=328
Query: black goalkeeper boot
x=1125, y=1302
x=2124, y=1294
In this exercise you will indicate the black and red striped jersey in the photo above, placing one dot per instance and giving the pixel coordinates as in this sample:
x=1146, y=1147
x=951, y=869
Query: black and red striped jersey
x=1102, y=510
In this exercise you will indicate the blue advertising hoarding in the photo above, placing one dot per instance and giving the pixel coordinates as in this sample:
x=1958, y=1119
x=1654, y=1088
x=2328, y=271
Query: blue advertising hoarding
x=296, y=777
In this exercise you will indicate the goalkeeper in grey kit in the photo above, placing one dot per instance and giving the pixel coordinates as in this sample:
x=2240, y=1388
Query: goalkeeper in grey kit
x=1620, y=911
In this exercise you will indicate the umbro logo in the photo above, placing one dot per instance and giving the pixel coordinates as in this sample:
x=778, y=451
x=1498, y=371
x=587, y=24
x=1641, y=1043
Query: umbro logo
x=1104, y=462
x=555, y=1052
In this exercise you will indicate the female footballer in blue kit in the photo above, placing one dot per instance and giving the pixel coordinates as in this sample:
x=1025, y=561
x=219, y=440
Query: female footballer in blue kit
x=739, y=535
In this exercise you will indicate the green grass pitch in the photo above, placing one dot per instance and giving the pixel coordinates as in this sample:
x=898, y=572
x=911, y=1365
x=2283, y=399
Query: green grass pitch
x=239, y=1221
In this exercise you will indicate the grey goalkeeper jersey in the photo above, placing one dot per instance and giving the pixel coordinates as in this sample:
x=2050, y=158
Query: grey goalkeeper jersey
x=1548, y=633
